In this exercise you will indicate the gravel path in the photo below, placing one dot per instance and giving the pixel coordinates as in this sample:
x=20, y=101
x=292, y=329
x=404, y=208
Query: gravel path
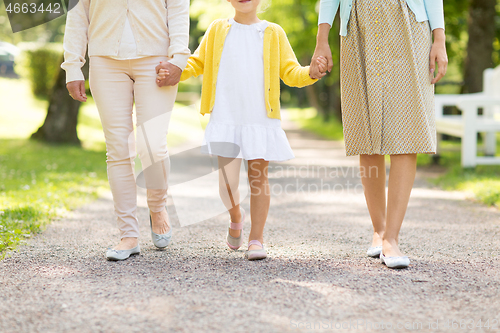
x=317, y=277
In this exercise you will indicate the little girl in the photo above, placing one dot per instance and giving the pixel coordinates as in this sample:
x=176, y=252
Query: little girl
x=242, y=60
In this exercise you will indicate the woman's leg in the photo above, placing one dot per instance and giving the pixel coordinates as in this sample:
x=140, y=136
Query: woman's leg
x=401, y=178
x=112, y=90
x=153, y=106
x=373, y=179
x=259, y=200
x=229, y=178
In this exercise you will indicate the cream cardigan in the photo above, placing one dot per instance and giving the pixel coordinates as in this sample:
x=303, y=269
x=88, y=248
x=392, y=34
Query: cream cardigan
x=160, y=27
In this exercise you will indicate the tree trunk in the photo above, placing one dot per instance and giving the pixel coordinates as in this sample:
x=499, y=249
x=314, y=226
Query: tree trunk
x=480, y=45
x=62, y=114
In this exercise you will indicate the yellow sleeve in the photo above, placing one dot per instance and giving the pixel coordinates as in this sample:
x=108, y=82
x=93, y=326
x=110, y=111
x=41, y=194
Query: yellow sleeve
x=196, y=62
x=291, y=72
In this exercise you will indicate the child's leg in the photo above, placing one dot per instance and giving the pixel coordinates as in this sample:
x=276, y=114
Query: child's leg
x=373, y=179
x=259, y=200
x=401, y=178
x=229, y=178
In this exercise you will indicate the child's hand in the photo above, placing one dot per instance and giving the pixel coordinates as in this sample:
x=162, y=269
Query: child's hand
x=322, y=64
x=162, y=76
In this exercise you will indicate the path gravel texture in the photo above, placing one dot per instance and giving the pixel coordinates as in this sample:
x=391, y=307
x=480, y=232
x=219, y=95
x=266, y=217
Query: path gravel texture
x=317, y=276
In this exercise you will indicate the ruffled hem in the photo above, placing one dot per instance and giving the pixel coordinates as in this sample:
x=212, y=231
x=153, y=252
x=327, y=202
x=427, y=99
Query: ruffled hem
x=249, y=142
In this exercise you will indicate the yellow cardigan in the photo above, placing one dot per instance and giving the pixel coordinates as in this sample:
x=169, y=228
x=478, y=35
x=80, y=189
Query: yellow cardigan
x=279, y=62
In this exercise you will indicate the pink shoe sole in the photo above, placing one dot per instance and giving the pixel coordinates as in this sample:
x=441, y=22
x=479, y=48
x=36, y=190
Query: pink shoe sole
x=257, y=254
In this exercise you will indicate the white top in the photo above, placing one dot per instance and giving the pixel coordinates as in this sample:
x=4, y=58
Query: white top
x=239, y=116
x=128, y=46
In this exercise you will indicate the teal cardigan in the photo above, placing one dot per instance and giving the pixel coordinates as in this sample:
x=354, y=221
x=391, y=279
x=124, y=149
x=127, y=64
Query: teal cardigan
x=425, y=10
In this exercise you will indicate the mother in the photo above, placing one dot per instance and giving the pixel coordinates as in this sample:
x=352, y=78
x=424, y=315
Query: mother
x=388, y=62
x=128, y=41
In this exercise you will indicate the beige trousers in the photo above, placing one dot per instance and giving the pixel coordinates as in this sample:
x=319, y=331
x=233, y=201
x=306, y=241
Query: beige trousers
x=115, y=85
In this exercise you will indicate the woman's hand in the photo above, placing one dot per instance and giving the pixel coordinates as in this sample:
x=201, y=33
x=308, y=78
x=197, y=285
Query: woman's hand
x=172, y=77
x=438, y=55
x=76, y=90
x=161, y=77
x=322, y=50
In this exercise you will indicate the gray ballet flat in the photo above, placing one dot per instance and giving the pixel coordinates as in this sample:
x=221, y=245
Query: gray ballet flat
x=395, y=262
x=118, y=255
x=235, y=243
x=160, y=241
x=374, y=251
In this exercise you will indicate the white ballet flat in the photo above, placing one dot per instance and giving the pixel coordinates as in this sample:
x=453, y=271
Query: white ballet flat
x=118, y=255
x=374, y=251
x=395, y=262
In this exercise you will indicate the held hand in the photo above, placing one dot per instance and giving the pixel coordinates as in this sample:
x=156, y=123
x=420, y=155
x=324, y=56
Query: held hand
x=438, y=55
x=162, y=77
x=76, y=90
x=173, y=77
x=322, y=64
x=322, y=51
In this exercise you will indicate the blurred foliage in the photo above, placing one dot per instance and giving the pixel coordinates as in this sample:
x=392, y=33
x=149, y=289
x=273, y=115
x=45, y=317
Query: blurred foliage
x=40, y=63
x=51, y=32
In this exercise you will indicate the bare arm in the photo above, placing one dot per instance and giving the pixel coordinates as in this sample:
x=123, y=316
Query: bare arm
x=322, y=50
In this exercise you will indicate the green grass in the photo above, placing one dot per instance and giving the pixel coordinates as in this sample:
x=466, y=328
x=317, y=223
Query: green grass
x=483, y=181
x=309, y=120
x=39, y=182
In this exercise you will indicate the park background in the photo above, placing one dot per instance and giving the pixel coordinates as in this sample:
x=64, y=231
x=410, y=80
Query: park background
x=52, y=162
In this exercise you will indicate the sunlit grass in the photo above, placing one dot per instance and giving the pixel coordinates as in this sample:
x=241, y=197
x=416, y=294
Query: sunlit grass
x=39, y=182
x=309, y=120
x=483, y=180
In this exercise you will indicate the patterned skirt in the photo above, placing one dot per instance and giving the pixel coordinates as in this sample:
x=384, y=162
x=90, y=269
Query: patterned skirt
x=387, y=95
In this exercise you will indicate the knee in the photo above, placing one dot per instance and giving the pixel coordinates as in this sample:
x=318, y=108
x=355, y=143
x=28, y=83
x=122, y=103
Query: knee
x=152, y=152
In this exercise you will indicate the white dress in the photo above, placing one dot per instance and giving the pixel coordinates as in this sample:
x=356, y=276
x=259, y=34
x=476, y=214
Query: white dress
x=239, y=126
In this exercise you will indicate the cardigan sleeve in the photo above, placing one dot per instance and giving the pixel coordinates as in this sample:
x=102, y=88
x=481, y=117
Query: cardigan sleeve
x=435, y=13
x=178, y=31
x=76, y=40
x=327, y=11
x=196, y=63
x=291, y=72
